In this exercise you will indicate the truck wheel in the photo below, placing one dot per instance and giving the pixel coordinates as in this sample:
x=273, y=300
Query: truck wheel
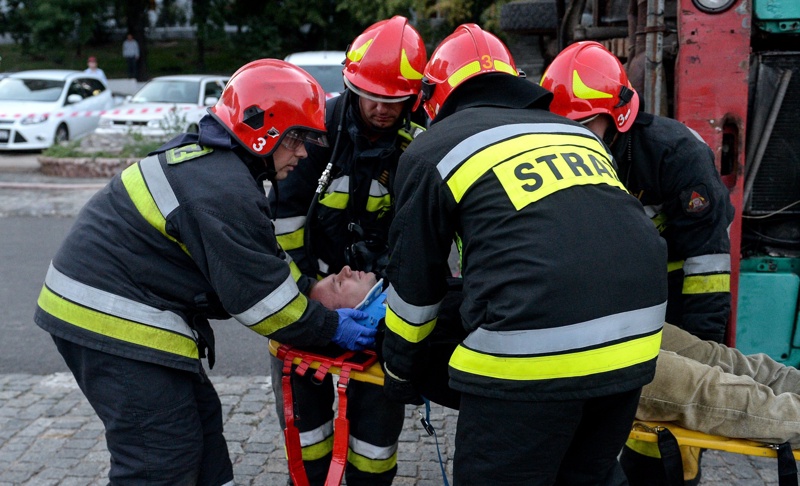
x=529, y=17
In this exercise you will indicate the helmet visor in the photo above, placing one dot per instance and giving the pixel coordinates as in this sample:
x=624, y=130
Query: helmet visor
x=372, y=96
x=294, y=137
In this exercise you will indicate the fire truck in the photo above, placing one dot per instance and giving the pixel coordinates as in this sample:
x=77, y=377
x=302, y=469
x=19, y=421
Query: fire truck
x=730, y=70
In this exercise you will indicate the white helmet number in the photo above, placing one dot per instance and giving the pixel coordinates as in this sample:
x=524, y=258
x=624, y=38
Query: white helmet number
x=259, y=145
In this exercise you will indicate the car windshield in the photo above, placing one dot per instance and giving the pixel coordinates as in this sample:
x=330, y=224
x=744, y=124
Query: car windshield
x=28, y=89
x=330, y=77
x=168, y=91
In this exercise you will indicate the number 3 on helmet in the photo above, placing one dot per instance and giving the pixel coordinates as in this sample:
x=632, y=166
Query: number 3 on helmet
x=267, y=101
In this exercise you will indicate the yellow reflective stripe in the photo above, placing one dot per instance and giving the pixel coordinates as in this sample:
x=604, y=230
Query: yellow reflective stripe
x=285, y=317
x=516, y=149
x=335, y=200
x=318, y=450
x=116, y=327
x=134, y=183
x=463, y=73
x=375, y=204
x=706, y=284
x=406, y=69
x=649, y=449
x=673, y=266
x=356, y=53
x=571, y=365
x=291, y=241
x=295, y=271
x=504, y=67
x=375, y=466
x=583, y=91
x=410, y=332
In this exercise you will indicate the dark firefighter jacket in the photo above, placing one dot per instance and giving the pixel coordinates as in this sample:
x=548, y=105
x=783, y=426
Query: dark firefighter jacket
x=671, y=170
x=180, y=236
x=358, y=193
x=563, y=273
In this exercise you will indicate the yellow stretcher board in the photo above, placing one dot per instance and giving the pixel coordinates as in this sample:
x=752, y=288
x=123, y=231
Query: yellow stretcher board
x=641, y=430
x=646, y=431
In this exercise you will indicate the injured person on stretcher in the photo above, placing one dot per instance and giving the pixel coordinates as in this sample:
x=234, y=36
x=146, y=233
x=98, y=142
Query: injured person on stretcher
x=699, y=385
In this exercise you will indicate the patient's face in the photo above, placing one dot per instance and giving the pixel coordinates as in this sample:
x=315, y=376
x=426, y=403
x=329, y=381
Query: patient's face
x=344, y=289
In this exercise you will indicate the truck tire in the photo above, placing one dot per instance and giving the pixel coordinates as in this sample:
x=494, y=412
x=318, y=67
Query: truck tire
x=529, y=17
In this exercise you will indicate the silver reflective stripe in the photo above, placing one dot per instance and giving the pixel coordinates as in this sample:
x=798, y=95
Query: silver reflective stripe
x=229, y=483
x=284, y=226
x=342, y=184
x=372, y=451
x=158, y=185
x=323, y=267
x=716, y=263
x=376, y=189
x=653, y=210
x=481, y=140
x=317, y=435
x=114, y=305
x=410, y=313
x=269, y=305
x=575, y=336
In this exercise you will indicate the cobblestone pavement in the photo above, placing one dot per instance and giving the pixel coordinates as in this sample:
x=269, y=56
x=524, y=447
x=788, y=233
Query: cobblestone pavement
x=49, y=435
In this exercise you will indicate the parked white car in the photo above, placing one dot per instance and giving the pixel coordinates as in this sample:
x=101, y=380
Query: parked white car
x=165, y=105
x=43, y=107
x=324, y=66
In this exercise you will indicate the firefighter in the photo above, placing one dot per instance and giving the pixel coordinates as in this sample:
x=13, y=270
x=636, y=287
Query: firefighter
x=180, y=237
x=563, y=280
x=328, y=224
x=671, y=170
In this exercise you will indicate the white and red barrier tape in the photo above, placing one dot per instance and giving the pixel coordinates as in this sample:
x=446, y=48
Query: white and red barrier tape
x=113, y=111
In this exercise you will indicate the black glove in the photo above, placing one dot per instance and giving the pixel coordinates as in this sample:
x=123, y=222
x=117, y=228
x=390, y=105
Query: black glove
x=400, y=390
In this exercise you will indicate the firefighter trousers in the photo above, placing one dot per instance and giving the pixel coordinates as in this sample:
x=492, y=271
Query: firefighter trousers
x=566, y=442
x=163, y=426
x=375, y=426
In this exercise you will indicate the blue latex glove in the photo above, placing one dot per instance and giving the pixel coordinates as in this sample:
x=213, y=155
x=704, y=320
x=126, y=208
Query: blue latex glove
x=352, y=335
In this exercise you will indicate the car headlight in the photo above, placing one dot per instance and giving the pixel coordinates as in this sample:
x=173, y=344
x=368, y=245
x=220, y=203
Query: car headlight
x=154, y=123
x=34, y=119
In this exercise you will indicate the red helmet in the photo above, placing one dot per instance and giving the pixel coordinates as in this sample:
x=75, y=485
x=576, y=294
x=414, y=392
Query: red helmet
x=467, y=52
x=385, y=62
x=267, y=100
x=586, y=79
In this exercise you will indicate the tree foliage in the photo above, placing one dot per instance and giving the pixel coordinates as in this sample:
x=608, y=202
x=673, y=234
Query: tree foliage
x=260, y=28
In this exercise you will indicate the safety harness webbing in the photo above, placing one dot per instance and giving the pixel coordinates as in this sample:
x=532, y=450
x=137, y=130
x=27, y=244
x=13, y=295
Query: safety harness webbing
x=341, y=431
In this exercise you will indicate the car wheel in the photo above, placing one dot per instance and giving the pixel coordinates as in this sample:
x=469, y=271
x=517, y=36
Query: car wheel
x=193, y=128
x=62, y=134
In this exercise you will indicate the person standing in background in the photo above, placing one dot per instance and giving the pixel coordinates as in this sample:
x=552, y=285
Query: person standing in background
x=130, y=51
x=93, y=69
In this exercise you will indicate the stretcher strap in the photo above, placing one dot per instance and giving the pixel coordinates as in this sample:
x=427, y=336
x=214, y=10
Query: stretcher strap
x=341, y=434
x=294, y=450
x=787, y=466
x=670, y=457
x=341, y=431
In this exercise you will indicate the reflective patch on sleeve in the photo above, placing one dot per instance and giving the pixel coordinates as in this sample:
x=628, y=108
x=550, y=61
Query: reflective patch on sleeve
x=187, y=152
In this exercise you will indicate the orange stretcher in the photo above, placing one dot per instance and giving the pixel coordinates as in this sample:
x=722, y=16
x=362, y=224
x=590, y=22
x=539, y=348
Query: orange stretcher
x=641, y=430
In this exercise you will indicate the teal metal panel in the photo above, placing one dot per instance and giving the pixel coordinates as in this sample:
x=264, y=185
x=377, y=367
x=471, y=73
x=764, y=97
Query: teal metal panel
x=767, y=308
x=777, y=16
